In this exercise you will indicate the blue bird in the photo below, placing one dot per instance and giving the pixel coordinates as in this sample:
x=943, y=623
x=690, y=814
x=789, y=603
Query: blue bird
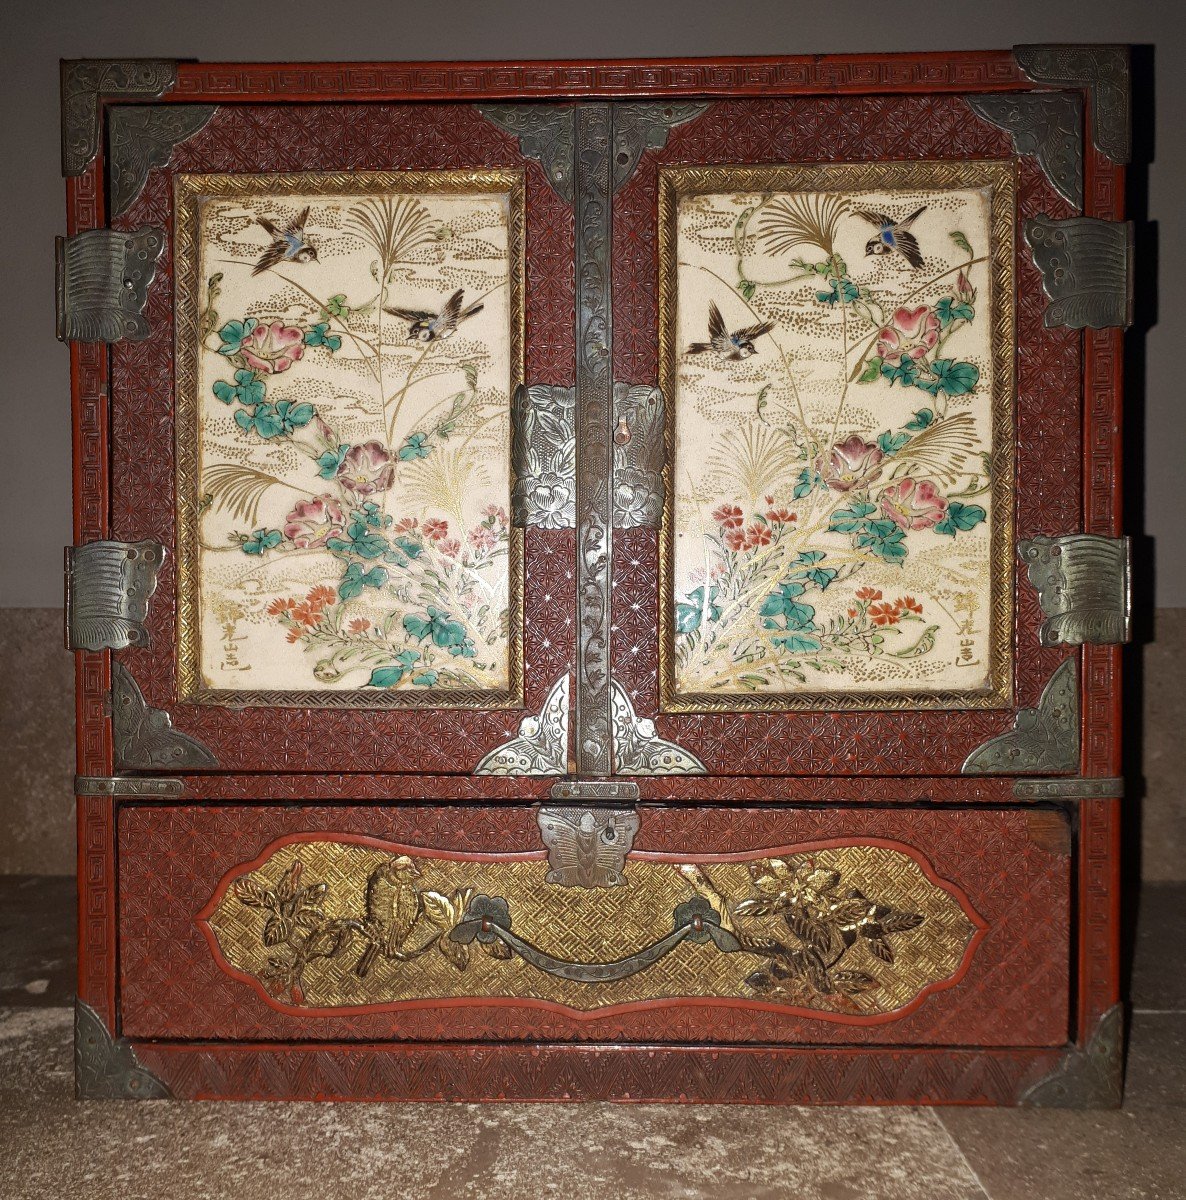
x=894, y=235
x=288, y=244
x=732, y=346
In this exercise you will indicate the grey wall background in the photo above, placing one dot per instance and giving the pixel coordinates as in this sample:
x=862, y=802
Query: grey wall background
x=35, y=441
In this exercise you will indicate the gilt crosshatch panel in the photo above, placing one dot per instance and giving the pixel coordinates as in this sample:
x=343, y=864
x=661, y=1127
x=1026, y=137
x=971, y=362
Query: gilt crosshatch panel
x=348, y=347
x=837, y=344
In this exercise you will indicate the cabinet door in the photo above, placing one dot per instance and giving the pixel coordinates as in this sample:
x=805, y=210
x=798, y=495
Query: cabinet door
x=359, y=313
x=834, y=339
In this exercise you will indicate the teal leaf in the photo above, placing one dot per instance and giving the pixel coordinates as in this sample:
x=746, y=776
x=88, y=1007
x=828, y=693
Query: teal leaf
x=920, y=421
x=890, y=443
x=850, y=519
x=798, y=643
x=262, y=540
x=351, y=582
x=425, y=678
x=904, y=372
x=960, y=517
x=822, y=577
x=233, y=333
x=411, y=547
x=806, y=481
x=329, y=462
x=414, y=447
x=783, y=602
x=385, y=677
x=224, y=392
x=954, y=378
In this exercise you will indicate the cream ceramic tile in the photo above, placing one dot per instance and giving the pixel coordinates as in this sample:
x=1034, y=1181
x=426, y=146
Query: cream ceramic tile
x=840, y=513
x=349, y=347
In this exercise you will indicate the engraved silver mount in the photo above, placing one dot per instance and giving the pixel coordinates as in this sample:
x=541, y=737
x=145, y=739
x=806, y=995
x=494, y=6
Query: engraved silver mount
x=1086, y=267
x=587, y=847
x=1043, y=739
x=102, y=284
x=144, y=738
x=541, y=747
x=1083, y=587
x=108, y=587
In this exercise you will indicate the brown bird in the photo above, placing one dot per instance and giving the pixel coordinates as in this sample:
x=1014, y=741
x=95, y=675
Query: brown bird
x=393, y=906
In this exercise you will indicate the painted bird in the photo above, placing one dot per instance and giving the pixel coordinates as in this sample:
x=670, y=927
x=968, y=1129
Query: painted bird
x=288, y=244
x=393, y=905
x=733, y=346
x=895, y=235
x=429, y=327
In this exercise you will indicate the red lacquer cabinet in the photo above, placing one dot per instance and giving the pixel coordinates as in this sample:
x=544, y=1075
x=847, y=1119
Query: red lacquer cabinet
x=599, y=580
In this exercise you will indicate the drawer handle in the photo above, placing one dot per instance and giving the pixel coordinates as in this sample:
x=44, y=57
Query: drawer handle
x=488, y=919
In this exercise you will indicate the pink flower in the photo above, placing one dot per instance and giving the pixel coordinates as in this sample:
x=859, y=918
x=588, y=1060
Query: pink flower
x=366, y=469
x=852, y=463
x=314, y=522
x=495, y=513
x=435, y=529
x=913, y=505
x=964, y=289
x=482, y=539
x=273, y=347
x=728, y=516
x=911, y=333
x=450, y=547
x=406, y=525
x=735, y=539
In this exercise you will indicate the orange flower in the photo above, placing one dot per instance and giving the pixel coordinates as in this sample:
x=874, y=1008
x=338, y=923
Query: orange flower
x=729, y=516
x=852, y=612
x=883, y=614
x=279, y=606
x=907, y=604
x=321, y=595
x=295, y=635
x=735, y=539
x=757, y=535
x=307, y=614
x=868, y=593
x=781, y=516
x=359, y=625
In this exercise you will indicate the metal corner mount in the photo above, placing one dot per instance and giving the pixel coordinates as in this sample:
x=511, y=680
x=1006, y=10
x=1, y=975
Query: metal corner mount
x=106, y=1068
x=108, y=586
x=1104, y=72
x=645, y=125
x=142, y=136
x=638, y=750
x=587, y=847
x=1047, y=125
x=102, y=284
x=1086, y=267
x=541, y=747
x=638, y=456
x=1043, y=739
x=544, y=450
x=1083, y=587
x=547, y=133
x=85, y=81
x=1087, y=1077
x=144, y=737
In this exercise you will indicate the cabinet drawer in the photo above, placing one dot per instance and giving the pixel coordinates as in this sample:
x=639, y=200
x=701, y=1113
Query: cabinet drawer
x=721, y=925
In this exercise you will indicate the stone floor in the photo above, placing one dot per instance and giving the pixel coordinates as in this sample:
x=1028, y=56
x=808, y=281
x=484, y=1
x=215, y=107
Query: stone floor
x=51, y=1146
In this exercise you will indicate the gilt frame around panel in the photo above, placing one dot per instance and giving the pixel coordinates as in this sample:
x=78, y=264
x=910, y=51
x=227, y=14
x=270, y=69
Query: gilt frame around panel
x=188, y=190
x=1000, y=175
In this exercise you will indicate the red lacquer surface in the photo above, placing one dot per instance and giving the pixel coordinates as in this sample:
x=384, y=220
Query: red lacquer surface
x=1013, y=991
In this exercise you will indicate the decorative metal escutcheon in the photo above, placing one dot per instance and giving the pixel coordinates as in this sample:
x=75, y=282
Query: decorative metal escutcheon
x=587, y=847
x=108, y=586
x=1083, y=587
